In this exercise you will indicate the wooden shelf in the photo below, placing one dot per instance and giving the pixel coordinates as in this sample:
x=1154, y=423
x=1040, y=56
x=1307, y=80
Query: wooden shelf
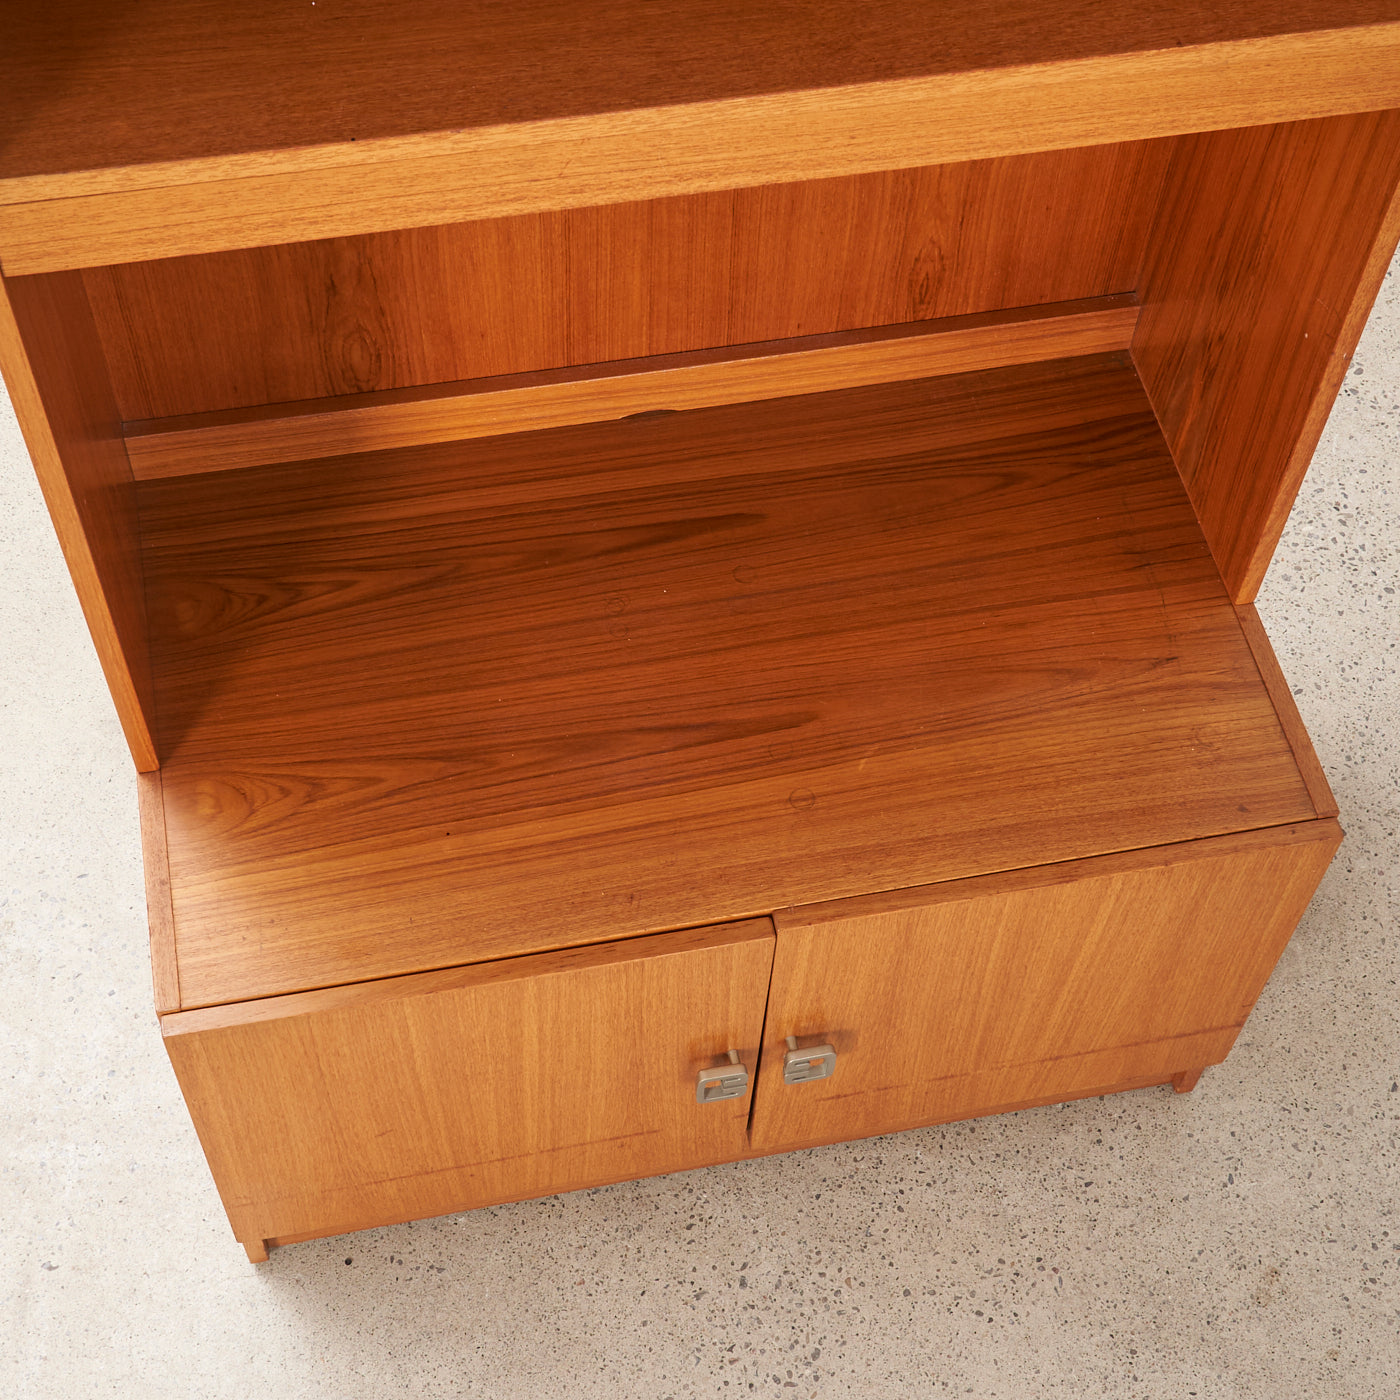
x=189, y=127
x=469, y=701
x=181, y=80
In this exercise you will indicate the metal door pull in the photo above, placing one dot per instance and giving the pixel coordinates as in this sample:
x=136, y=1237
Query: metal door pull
x=729, y=1081
x=803, y=1066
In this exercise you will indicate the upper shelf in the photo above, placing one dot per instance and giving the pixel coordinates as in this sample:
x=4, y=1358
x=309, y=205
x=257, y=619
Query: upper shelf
x=167, y=127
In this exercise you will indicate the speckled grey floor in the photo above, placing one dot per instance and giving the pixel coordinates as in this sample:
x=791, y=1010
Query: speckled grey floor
x=1241, y=1241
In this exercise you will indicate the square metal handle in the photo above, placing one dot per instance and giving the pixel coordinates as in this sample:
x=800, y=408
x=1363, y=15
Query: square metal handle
x=803, y=1066
x=729, y=1081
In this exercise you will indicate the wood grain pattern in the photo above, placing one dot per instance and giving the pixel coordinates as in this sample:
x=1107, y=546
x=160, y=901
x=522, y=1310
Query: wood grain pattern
x=539, y=1075
x=160, y=913
x=1097, y=1091
x=1319, y=790
x=896, y=86
x=454, y=703
x=508, y=296
x=665, y=383
x=1269, y=249
x=942, y=1003
x=86, y=93
x=58, y=384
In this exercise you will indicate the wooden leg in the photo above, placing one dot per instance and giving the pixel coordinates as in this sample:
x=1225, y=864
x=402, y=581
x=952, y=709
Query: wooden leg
x=1184, y=1082
x=257, y=1251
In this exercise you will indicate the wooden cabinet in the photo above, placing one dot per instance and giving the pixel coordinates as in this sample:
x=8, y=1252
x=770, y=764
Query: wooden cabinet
x=544, y=535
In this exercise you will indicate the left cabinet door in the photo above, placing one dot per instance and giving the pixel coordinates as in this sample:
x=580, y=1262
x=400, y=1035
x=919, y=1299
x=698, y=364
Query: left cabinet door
x=329, y=1111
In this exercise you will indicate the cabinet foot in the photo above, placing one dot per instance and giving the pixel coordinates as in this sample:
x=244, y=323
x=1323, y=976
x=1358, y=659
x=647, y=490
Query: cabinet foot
x=257, y=1251
x=1187, y=1080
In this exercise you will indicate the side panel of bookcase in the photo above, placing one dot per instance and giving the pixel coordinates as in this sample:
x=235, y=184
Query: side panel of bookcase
x=1268, y=249
x=57, y=377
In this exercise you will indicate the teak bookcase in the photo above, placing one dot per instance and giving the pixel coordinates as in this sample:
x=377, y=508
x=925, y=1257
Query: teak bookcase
x=635, y=544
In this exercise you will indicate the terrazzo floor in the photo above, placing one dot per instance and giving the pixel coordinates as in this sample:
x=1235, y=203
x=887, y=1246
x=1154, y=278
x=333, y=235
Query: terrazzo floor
x=1242, y=1241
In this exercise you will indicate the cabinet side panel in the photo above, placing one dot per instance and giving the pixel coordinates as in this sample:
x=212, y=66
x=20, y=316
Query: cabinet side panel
x=1266, y=254
x=568, y=1071
x=975, y=1001
x=541, y=291
x=58, y=381
x=160, y=911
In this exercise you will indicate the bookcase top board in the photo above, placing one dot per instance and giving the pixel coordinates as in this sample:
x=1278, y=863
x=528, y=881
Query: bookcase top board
x=181, y=126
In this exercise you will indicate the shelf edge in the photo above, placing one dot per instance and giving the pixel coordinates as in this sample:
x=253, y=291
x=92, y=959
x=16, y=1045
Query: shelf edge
x=1291, y=722
x=137, y=213
x=528, y=402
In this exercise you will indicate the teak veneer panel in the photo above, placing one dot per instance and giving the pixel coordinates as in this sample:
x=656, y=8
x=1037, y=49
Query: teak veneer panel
x=1268, y=251
x=542, y=291
x=444, y=705
x=57, y=377
x=190, y=127
x=1040, y=984
x=181, y=80
x=457, y=1089
x=620, y=388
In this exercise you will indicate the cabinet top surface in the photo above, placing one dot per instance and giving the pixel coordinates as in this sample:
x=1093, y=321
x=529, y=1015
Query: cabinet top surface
x=88, y=86
x=457, y=703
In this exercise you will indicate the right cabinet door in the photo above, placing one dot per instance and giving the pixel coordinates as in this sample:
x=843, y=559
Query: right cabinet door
x=1003, y=991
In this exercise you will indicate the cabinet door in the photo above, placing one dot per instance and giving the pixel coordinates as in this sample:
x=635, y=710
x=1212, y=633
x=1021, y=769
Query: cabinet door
x=329, y=1111
x=1004, y=991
